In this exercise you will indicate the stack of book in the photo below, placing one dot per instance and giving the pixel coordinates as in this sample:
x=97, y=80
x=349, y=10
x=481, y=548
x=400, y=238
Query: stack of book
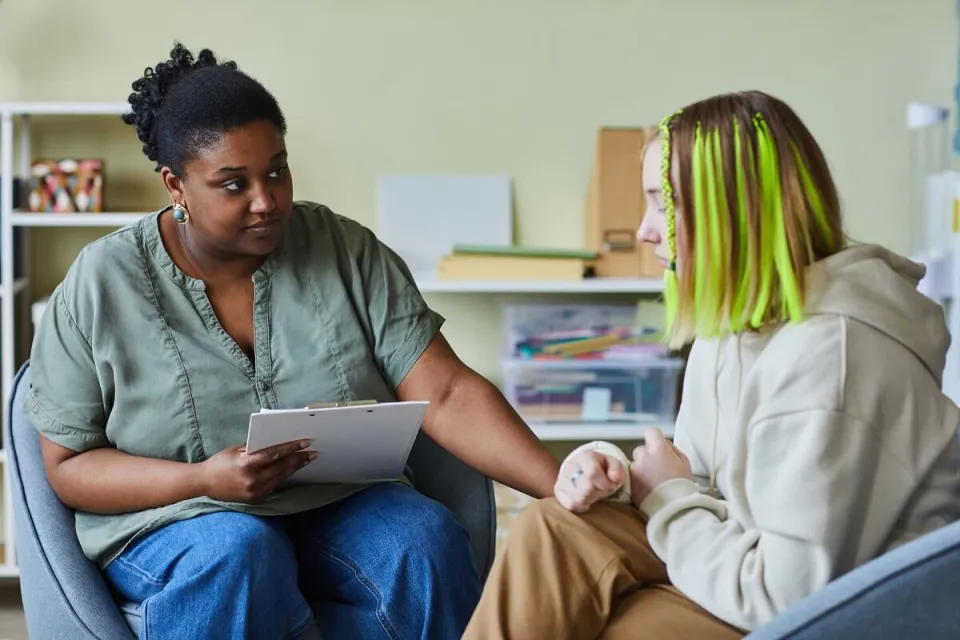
x=484, y=262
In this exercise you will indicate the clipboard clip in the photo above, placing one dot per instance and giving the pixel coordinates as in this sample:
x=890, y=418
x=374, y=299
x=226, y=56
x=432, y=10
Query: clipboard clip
x=340, y=404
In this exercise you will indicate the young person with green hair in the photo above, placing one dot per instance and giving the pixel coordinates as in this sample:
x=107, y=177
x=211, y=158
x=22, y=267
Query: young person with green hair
x=812, y=435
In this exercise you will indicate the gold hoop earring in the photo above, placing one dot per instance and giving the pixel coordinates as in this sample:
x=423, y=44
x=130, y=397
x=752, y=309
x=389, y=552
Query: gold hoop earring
x=180, y=214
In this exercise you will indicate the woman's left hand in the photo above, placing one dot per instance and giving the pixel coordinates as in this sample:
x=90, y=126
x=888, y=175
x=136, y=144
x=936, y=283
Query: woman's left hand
x=655, y=462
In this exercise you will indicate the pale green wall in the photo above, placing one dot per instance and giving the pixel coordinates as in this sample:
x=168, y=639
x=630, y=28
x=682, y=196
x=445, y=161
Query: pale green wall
x=493, y=86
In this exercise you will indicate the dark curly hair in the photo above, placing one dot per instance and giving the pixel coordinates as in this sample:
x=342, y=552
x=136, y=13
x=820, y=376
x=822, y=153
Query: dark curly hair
x=181, y=106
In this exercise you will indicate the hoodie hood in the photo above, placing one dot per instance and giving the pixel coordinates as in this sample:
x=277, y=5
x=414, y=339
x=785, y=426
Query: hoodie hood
x=878, y=288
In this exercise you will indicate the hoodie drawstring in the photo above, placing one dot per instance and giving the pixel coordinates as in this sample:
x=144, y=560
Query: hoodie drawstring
x=712, y=487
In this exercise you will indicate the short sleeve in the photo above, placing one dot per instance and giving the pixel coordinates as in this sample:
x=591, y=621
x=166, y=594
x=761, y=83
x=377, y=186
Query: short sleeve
x=403, y=325
x=65, y=402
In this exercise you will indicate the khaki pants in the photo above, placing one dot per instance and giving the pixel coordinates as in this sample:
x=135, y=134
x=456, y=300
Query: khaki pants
x=564, y=575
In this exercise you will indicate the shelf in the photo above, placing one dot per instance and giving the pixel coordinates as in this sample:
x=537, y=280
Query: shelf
x=9, y=571
x=20, y=284
x=74, y=219
x=64, y=108
x=588, y=285
x=585, y=431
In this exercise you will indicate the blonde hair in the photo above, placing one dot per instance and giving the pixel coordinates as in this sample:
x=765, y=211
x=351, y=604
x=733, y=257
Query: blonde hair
x=757, y=206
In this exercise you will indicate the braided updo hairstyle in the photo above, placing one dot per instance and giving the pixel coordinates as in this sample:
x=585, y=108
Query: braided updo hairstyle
x=184, y=104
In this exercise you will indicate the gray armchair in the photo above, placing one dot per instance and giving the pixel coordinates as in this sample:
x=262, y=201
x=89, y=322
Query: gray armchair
x=64, y=595
x=910, y=592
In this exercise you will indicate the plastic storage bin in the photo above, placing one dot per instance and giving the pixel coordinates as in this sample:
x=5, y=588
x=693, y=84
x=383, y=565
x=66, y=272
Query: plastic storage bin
x=641, y=392
x=555, y=332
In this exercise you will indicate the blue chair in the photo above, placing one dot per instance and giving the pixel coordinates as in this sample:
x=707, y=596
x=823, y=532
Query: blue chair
x=910, y=592
x=64, y=594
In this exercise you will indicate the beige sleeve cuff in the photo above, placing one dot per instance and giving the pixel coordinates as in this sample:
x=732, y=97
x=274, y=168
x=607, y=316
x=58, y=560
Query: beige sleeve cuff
x=667, y=492
x=622, y=494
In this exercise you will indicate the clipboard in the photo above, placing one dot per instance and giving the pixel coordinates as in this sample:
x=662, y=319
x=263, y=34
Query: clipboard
x=355, y=442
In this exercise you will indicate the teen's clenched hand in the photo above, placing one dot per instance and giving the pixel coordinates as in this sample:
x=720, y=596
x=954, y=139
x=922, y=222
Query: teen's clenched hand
x=654, y=462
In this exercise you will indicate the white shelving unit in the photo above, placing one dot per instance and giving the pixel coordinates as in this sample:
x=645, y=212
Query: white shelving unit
x=15, y=122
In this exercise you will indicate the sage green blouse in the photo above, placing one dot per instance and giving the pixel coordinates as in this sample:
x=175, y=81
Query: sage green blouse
x=129, y=354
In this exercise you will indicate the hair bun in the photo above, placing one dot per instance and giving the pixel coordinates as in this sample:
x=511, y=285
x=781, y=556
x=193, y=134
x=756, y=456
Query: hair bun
x=150, y=91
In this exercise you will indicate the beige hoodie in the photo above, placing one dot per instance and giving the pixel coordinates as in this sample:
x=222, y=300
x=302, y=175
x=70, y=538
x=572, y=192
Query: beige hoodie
x=816, y=446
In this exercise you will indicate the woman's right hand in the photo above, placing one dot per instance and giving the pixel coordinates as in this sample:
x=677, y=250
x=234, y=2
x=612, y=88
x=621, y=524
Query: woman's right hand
x=586, y=478
x=233, y=475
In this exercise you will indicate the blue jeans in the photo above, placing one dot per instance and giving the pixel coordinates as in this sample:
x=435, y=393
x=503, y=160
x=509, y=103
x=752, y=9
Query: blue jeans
x=384, y=563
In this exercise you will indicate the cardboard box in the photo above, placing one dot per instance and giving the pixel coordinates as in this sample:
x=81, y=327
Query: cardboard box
x=615, y=205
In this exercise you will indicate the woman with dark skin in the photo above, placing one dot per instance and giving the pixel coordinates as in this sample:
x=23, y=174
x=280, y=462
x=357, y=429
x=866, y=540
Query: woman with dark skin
x=166, y=335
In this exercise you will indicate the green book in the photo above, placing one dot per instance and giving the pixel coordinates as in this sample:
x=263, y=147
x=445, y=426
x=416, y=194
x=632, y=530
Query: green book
x=522, y=251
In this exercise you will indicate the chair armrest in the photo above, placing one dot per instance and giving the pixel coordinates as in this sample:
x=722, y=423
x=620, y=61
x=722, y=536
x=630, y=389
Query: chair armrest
x=64, y=594
x=910, y=592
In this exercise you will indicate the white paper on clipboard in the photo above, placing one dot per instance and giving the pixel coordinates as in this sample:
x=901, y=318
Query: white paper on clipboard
x=355, y=443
